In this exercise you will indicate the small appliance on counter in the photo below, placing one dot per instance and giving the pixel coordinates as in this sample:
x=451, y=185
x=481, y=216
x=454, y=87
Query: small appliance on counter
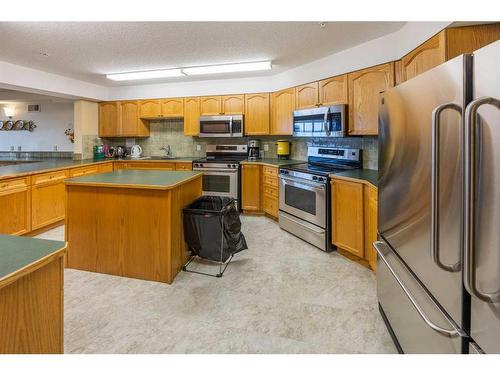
x=99, y=152
x=109, y=151
x=253, y=149
x=283, y=149
x=135, y=152
x=120, y=151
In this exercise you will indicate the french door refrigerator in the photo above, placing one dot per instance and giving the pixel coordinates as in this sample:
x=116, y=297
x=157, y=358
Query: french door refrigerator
x=439, y=207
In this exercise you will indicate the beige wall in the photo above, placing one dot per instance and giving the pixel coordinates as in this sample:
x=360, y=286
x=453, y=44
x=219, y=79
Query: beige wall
x=86, y=124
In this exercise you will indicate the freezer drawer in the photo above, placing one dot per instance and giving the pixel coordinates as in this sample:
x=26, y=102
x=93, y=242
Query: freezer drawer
x=415, y=327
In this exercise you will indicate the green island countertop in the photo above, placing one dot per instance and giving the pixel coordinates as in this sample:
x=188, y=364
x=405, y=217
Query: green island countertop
x=136, y=178
x=17, y=253
x=368, y=175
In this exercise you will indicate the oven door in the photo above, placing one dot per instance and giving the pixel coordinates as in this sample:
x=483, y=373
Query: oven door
x=303, y=199
x=222, y=182
x=221, y=126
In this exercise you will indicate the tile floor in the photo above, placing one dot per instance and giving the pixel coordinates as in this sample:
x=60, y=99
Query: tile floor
x=279, y=296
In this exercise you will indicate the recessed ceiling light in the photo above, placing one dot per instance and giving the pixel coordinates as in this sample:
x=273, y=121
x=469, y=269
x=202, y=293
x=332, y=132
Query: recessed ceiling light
x=145, y=74
x=228, y=68
x=196, y=70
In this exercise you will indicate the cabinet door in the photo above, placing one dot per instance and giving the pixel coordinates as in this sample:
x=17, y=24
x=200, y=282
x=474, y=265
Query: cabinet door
x=129, y=118
x=150, y=108
x=347, y=216
x=233, y=104
x=467, y=39
x=191, y=116
x=210, y=105
x=108, y=119
x=370, y=214
x=105, y=168
x=48, y=198
x=333, y=90
x=424, y=57
x=173, y=107
x=15, y=200
x=365, y=87
x=164, y=166
x=257, y=114
x=183, y=166
x=306, y=96
x=250, y=187
x=282, y=107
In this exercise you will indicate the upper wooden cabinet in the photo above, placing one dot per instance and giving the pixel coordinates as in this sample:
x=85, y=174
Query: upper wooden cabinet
x=121, y=119
x=257, y=116
x=446, y=45
x=210, y=105
x=282, y=106
x=306, y=96
x=333, y=90
x=364, y=88
x=150, y=109
x=172, y=107
x=192, y=116
x=233, y=104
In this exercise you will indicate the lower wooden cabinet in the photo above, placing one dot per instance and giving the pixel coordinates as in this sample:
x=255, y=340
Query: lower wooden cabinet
x=250, y=187
x=354, y=218
x=15, y=200
x=270, y=190
x=82, y=171
x=105, y=167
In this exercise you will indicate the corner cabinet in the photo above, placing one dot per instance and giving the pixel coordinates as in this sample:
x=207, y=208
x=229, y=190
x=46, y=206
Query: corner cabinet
x=250, y=187
x=192, y=116
x=257, y=116
x=282, y=107
x=364, y=88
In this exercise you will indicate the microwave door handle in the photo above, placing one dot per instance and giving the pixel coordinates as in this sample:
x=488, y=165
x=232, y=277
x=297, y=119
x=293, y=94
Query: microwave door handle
x=326, y=127
x=231, y=126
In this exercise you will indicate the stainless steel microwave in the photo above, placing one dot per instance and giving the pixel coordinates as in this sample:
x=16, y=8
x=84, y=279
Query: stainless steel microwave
x=320, y=122
x=221, y=126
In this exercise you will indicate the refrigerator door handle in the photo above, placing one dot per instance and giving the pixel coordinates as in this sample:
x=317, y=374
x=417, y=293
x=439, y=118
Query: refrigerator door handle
x=470, y=193
x=454, y=332
x=435, y=142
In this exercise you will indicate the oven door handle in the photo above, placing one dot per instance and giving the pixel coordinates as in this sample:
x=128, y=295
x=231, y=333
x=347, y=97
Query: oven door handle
x=314, y=185
x=232, y=171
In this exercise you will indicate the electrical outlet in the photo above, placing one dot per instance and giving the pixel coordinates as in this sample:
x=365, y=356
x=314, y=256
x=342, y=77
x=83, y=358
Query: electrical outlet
x=266, y=147
x=198, y=147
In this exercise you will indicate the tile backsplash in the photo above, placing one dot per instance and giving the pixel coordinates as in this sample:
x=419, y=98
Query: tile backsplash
x=171, y=132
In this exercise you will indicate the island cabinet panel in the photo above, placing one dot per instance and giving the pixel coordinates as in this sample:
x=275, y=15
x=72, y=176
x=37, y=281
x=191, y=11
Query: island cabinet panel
x=365, y=87
x=282, y=107
x=333, y=91
x=15, y=200
x=108, y=119
x=257, y=115
x=233, y=104
x=370, y=216
x=48, y=198
x=211, y=105
x=192, y=116
x=164, y=166
x=250, y=187
x=150, y=109
x=105, y=168
x=307, y=96
x=172, y=107
x=31, y=311
x=347, y=216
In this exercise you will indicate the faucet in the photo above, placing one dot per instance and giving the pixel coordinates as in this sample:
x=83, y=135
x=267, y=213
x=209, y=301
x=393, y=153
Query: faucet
x=167, y=150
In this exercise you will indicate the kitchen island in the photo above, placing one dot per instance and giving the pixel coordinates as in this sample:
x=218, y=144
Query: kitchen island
x=31, y=295
x=129, y=222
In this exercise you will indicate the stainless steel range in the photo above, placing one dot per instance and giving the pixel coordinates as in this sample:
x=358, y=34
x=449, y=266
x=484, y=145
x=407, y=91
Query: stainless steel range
x=304, y=193
x=221, y=170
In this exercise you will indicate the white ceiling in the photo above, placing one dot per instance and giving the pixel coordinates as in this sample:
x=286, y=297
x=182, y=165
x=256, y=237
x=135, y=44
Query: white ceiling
x=88, y=50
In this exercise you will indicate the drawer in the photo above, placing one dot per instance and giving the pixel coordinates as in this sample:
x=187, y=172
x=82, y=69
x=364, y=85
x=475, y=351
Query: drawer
x=82, y=171
x=270, y=205
x=270, y=171
x=183, y=166
x=164, y=166
x=120, y=165
x=270, y=190
x=105, y=168
x=44, y=178
x=271, y=181
x=14, y=183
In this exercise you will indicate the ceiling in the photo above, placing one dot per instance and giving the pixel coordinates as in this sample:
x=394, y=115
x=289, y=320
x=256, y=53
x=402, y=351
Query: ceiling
x=88, y=50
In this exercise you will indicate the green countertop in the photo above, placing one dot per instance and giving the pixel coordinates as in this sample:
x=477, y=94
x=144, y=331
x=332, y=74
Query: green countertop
x=17, y=252
x=273, y=162
x=139, y=179
x=368, y=175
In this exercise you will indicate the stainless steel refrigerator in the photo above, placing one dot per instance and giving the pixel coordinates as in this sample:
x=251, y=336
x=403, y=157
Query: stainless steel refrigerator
x=439, y=207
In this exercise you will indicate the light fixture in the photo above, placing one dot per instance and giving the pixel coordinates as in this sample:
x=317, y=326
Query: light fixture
x=9, y=112
x=145, y=74
x=195, y=70
x=228, y=68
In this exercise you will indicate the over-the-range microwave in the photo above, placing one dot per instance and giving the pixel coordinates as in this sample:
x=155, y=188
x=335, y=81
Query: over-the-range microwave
x=320, y=122
x=221, y=126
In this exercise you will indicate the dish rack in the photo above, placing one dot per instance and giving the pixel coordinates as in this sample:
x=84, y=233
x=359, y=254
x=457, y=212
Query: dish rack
x=17, y=125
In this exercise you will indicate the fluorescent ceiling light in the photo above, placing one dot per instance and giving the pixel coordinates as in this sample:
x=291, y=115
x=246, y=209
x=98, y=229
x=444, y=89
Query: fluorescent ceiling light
x=228, y=68
x=209, y=69
x=145, y=75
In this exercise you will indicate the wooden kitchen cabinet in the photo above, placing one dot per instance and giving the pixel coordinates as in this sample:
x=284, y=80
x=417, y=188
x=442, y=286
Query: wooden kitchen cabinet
x=108, y=119
x=83, y=171
x=233, y=104
x=250, y=187
x=48, y=198
x=270, y=190
x=164, y=166
x=333, y=91
x=183, y=166
x=105, y=168
x=347, y=216
x=15, y=200
x=424, y=57
x=257, y=115
x=365, y=87
x=131, y=125
x=172, y=107
x=282, y=107
x=370, y=224
x=192, y=116
x=150, y=109
x=210, y=105
x=306, y=96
